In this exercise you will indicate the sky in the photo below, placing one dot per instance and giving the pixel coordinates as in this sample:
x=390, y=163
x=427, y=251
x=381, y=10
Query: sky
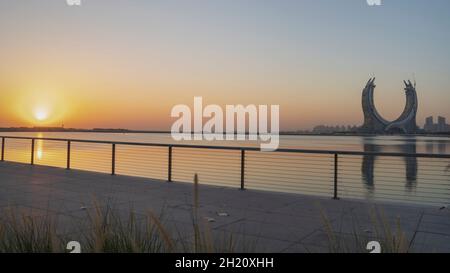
x=125, y=64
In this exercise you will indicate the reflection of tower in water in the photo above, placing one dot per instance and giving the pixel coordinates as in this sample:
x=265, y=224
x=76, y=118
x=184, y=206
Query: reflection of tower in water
x=442, y=146
x=411, y=165
x=429, y=147
x=368, y=166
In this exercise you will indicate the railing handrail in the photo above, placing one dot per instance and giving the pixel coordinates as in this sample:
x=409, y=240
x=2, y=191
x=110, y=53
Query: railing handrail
x=245, y=148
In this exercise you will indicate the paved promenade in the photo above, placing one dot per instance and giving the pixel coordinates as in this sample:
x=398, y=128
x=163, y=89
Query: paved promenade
x=271, y=222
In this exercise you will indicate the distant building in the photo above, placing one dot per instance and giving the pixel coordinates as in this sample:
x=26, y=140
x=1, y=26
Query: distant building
x=428, y=124
x=374, y=123
x=440, y=127
x=324, y=129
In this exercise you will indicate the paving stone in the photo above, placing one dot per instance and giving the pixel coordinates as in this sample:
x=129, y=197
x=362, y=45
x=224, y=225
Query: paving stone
x=280, y=221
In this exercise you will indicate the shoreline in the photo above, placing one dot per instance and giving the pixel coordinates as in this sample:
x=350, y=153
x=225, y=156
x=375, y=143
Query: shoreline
x=124, y=131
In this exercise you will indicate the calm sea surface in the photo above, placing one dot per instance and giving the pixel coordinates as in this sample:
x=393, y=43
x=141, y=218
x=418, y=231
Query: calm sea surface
x=398, y=179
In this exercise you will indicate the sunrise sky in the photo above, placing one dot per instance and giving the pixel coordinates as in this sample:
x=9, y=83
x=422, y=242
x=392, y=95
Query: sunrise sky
x=125, y=64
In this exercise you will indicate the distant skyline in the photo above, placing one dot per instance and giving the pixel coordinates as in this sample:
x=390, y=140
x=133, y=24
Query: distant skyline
x=124, y=64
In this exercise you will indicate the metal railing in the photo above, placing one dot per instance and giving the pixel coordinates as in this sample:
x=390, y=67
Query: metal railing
x=283, y=165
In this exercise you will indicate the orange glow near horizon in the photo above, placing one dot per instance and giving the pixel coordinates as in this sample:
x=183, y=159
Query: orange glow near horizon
x=40, y=108
x=122, y=65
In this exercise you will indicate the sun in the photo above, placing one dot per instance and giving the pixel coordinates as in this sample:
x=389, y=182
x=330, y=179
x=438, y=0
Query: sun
x=40, y=114
x=41, y=108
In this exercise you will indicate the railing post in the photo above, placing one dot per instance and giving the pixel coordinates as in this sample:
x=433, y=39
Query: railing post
x=3, y=149
x=335, y=196
x=242, y=169
x=169, y=167
x=32, y=151
x=113, y=161
x=68, y=155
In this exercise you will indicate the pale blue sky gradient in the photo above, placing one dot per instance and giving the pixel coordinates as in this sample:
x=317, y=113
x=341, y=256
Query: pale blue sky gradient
x=312, y=57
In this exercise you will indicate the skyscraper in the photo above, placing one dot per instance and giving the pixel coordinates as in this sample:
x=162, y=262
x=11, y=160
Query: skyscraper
x=428, y=124
x=440, y=127
x=441, y=124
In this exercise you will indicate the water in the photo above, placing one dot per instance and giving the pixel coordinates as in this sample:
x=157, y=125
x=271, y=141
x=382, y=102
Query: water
x=398, y=179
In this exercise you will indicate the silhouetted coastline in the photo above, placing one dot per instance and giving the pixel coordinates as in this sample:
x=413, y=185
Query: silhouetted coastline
x=122, y=130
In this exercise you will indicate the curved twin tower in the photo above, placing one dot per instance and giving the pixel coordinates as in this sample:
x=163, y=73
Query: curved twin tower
x=374, y=123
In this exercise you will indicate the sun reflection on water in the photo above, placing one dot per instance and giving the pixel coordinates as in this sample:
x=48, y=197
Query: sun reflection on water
x=39, y=147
